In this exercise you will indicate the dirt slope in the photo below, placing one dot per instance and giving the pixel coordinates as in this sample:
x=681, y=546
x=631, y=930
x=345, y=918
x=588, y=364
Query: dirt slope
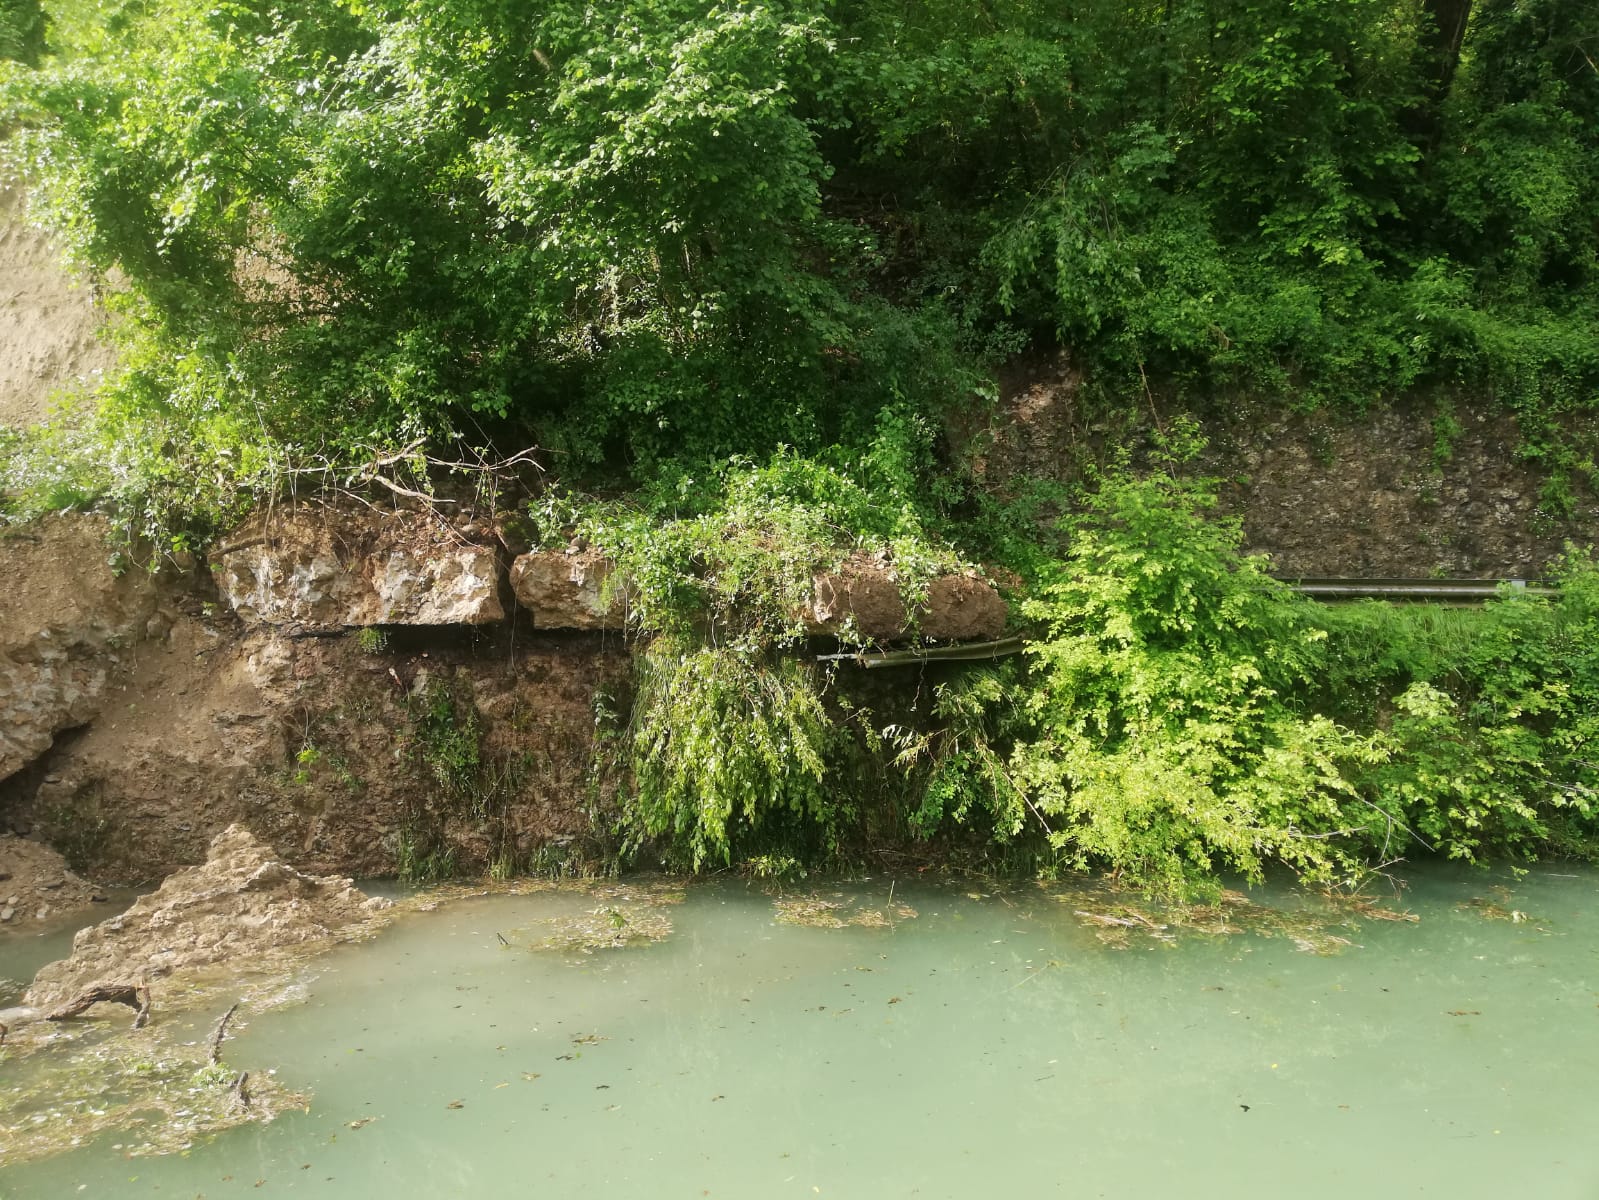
x=47, y=325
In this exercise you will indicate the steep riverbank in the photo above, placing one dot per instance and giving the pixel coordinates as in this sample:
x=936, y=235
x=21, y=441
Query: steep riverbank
x=376, y=689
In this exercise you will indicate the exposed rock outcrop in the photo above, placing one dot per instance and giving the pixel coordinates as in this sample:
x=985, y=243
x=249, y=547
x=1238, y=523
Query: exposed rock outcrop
x=240, y=904
x=321, y=746
x=865, y=592
x=65, y=621
x=566, y=589
x=35, y=884
x=327, y=568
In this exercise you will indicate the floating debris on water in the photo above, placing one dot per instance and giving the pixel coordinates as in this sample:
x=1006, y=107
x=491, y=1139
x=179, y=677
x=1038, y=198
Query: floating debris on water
x=1120, y=920
x=1377, y=912
x=629, y=914
x=838, y=911
x=608, y=927
x=1500, y=908
x=100, y=1076
x=645, y=890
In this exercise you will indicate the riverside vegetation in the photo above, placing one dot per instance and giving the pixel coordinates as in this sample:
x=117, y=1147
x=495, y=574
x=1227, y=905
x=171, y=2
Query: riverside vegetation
x=743, y=271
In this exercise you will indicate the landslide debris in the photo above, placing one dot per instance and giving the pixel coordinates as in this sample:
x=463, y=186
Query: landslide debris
x=35, y=884
x=236, y=908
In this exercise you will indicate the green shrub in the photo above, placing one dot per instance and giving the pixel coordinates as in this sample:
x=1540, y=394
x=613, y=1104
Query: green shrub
x=725, y=744
x=1165, y=743
x=730, y=741
x=23, y=26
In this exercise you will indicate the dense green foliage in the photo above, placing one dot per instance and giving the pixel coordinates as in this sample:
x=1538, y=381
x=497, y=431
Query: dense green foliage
x=1179, y=715
x=22, y=30
x=760, y=263
x=730, y=738
x=1489, y=718
x=1186, y=714
x=1165, y=738
x=670, y=229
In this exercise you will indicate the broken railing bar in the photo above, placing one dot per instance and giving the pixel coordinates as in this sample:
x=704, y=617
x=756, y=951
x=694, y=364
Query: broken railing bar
x=1416, y=589
x=1316, y=589
x=963, y=652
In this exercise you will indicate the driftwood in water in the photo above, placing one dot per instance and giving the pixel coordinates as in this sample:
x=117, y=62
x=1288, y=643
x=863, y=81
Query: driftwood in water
x=221, y=1032
x=135, y=995
x=241, y=1089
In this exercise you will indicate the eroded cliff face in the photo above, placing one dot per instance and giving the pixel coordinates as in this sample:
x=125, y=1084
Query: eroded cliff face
x=1408, y=489
x=342, y=753
x=66, y=620
x=362, y=689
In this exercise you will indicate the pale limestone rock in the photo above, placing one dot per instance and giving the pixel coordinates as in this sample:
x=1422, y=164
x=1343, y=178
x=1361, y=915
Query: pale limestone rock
x=326, y=568
x=566, y=590
x=241, y=903
x=64, y=616
x=864, y=593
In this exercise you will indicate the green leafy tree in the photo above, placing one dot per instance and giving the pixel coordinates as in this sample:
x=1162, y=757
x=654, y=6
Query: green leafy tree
x=23, y=25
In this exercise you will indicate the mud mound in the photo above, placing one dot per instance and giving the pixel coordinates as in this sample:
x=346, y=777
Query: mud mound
x=35, y=884
x=238, y=907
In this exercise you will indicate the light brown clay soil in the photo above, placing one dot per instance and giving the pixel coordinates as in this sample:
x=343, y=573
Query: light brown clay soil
x=48, y=326
x=35, y=885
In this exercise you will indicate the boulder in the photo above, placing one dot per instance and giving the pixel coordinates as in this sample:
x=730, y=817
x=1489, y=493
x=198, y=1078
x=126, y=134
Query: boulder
x=327, y=568
x=866, y=591
x=565, y=589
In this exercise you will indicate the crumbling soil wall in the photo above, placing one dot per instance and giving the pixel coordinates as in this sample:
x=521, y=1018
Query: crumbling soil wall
x=343, y=753
x=1411, y=488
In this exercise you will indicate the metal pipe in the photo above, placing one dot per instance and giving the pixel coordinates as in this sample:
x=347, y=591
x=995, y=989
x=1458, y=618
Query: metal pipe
x=1448, y=590
x=1458, y=591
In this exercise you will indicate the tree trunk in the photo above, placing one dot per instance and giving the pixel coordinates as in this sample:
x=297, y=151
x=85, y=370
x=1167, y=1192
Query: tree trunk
x=1442, y=33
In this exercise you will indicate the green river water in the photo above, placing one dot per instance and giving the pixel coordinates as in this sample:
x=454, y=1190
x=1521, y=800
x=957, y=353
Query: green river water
x=987, y=1045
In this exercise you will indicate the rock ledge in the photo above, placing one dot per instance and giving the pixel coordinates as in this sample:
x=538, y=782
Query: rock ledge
x=240, y=904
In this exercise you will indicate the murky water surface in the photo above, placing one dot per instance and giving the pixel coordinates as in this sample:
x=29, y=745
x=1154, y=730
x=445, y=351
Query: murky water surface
x=984, y=1046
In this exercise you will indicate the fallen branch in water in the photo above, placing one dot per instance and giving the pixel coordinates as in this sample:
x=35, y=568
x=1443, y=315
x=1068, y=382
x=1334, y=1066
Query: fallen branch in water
x=135, y=995
x=221, y=1032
